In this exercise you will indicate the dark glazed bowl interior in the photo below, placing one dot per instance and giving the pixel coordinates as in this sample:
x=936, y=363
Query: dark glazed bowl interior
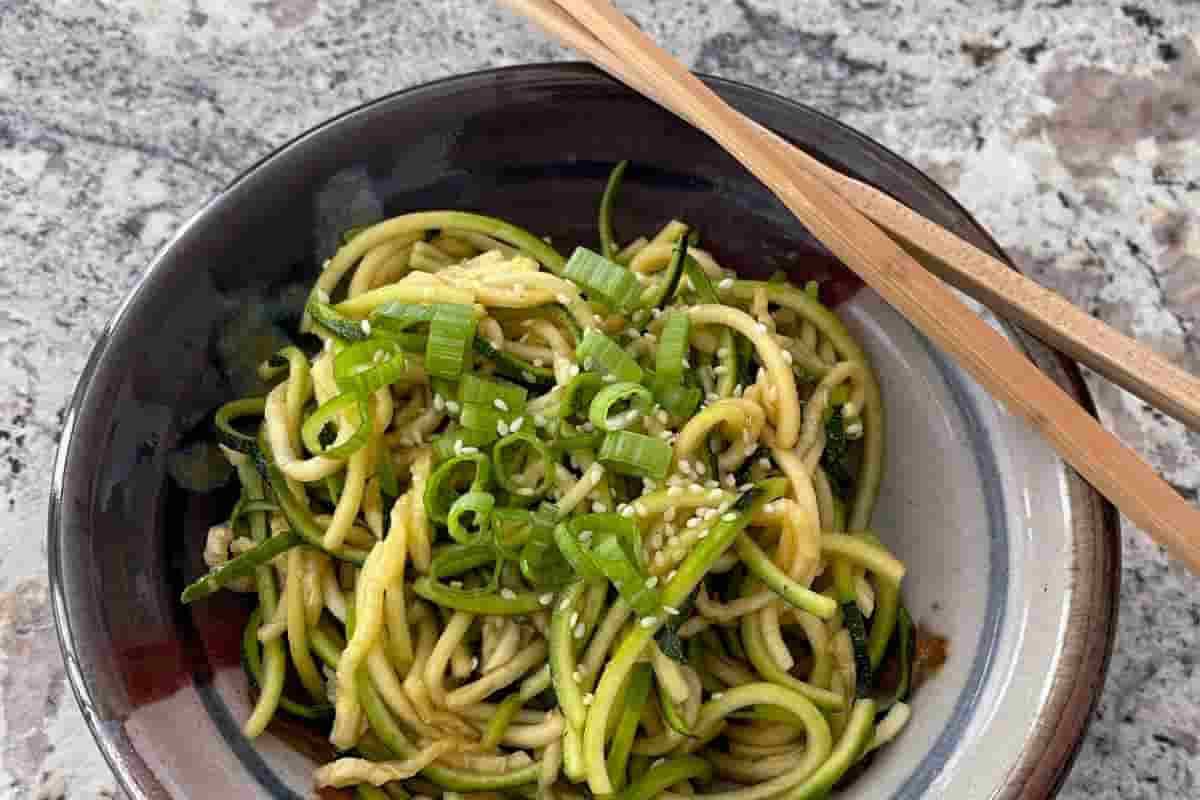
x=532, y=144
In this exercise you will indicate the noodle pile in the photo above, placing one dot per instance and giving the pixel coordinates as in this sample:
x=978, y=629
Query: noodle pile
x=545, y=527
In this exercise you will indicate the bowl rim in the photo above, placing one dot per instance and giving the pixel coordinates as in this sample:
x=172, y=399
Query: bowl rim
x=1080, y=671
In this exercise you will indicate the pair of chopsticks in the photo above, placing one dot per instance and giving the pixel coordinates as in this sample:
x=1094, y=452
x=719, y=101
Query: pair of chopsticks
x=850, y=218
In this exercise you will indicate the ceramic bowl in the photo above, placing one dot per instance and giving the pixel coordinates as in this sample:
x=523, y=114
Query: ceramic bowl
x=1011, y=556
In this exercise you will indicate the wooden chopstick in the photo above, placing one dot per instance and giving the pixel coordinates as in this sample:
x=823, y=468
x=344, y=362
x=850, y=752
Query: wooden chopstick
x=1114, y=469
x=1124, y=361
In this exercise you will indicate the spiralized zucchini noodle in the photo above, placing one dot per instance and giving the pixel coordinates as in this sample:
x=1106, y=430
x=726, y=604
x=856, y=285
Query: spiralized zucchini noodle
x=529, y=525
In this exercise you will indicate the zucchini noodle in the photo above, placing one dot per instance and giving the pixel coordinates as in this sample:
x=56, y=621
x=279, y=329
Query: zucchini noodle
x=565, y=527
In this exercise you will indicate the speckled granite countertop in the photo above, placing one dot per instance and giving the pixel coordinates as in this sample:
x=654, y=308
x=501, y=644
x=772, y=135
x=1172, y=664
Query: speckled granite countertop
x=1071, y=128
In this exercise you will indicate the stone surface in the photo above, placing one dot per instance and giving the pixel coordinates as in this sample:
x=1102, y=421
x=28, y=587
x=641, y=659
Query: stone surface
x=1071, y=128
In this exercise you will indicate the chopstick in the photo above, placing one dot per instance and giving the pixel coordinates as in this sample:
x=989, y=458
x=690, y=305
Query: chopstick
x=1046, y=314
x=601, y=32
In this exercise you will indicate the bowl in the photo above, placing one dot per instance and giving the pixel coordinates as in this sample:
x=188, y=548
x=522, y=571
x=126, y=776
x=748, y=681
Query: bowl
x=1011, y=556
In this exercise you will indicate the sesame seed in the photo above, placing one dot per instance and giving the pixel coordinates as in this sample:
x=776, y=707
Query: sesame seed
x=687, y=364
x=641, y=509
x=598, y=507
x=574, y=620
x=701, y=468
x=588, y=699
x=787, y=357
x=527, y=491
x=609, y=378
x=502, y=427
x=365, y=326
x=466, y=451
x=580, y=630
x=715, y=494
x=546, y=599
x=452, y=407
x=516, y=424
x=722, y=352
x=500, y=404
x=671, y=575
x=474, y=663
x=627, y=511
x=439, y=402
x=577, y=676
x=458, y=446
x=673, y=491
x=671, y=612
x=761, y=327
x=562, y=299
x=726, y=283
x=651, y=582
x=566, y=602
x=508, y=594
x=693, y=522
x=585, y=537
x=648, y=622
x=456, y=584
x=717, y=695
x=695, y=487
x=720, y=369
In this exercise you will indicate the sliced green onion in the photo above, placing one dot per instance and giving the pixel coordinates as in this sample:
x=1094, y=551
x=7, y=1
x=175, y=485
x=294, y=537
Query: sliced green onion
x=612, y=557
x=578, y=393
x=453, y=477
x=599, y=352
x=501, y=395
x=479, y=506
x=542, y=563
x=330, y=319
x=513, y=455
x=636, y=454
x=604, y=280
x=608, y=243
x=230, y=436
x=240, y=567
x=311, y=432
x=512, y=528
x=503, y=602
x=619, y=405
x=450, y=335
x=582, y=441
x=678, y=400
x=365, y=367
x=478, y=417
x=672, y=348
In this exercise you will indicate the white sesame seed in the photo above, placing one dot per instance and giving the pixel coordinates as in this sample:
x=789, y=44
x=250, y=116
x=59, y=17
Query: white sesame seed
x=508, y=594
x=365, y=325
x=720, y=369
x=715, y=494
x=502, y=427
x=651, y=582
x=597, y=471
x=458, y=446
x=761, y=327
x=701, y=468
x=456, y=584
x=516, y=424
x=693, y=522
x=500, y=404
x=687, y=364
x=585, y=537
x=598, y=507
x=546, y=599
x=466, y=451
x=609, y=378
x=717, y=695
x=673, y=491
x=671, y=612
x=695, y=487
x=562, y=299
x=574, y=620
x=580, y=629
x=671, y=575
x=474, y=663
x=526, y=491
x=439, y=402
x=452, y=407
x=648, y=622
x=588, y=698
x=787, y=357
x=627, y=511
x=566, y=602
x=641, y=509
x=577, y=676
x=726, y=283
